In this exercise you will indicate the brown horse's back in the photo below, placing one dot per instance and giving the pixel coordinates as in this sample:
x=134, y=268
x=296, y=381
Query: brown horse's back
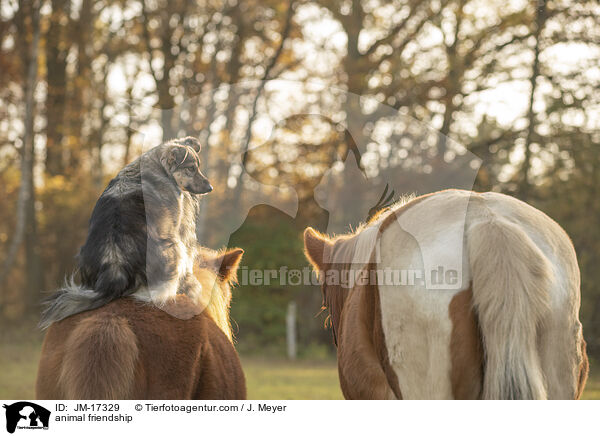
x=132, y=350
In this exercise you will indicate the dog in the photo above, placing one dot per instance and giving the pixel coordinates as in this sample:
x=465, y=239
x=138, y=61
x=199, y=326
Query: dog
x=142, y=236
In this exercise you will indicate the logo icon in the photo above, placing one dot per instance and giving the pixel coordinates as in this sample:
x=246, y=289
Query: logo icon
x=26, y=415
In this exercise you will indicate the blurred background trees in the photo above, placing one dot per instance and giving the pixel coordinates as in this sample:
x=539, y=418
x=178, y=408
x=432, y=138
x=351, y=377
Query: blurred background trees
x=87, y=85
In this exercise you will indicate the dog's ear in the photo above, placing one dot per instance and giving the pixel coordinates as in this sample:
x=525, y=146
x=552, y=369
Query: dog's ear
x=227, y=264
x=172, y=157
x=316, y=248
x=190, y=141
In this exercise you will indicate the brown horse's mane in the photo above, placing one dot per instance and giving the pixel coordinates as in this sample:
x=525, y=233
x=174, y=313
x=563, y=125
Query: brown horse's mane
x=219, y=299
x=216, y=271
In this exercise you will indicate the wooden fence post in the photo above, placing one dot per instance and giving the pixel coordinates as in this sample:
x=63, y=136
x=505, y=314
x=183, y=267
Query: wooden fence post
x=291, y=330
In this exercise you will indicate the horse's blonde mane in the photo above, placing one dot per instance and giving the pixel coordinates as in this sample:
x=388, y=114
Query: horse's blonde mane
x=360, y=243
x=385, y=212
x=219, y=299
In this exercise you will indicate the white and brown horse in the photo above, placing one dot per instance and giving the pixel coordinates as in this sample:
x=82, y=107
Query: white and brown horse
x=467, y=296
x=131, y=349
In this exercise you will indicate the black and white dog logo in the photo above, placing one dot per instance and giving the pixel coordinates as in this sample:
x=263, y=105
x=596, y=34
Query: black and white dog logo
x=26, y=415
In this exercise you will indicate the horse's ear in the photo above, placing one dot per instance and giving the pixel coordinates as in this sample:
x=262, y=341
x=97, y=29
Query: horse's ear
x=227, y=264
x=316, y=247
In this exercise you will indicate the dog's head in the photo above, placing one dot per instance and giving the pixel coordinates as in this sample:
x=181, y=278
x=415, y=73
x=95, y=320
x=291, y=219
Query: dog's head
x=181, y=161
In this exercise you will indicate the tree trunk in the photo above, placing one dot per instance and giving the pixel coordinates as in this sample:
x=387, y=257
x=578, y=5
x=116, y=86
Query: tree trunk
x=33, y=262
x=56, y=76
x=81, y=87
x=253, y=112
x=455, y=76
x=34, y=285
x=166, y=121
x=204, y=141
x=25, y=214
x=525, y=183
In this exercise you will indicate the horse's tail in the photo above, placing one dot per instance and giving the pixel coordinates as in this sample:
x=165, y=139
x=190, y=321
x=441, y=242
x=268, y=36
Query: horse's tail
x=511, y=283
x=100, y=359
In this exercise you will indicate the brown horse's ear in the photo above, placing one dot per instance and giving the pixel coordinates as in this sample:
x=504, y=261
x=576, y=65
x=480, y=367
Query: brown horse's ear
x=316, y=247
x=227, y=264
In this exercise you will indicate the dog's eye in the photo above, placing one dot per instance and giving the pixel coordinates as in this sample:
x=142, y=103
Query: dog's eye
x=190, y=170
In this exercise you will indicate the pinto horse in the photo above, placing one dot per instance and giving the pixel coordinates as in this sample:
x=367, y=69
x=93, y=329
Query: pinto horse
x=130, y=349
x=504, y=324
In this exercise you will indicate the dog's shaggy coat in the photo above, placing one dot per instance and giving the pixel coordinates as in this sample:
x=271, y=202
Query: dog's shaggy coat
x=142, y=233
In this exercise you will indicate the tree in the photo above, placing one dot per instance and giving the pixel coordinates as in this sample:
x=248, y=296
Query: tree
x=26, y=226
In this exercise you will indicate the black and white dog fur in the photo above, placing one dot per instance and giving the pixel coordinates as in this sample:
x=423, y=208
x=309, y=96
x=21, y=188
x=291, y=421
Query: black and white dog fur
x=142, y=236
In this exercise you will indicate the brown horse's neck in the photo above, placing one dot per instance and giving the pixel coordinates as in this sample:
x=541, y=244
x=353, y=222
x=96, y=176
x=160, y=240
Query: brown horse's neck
x=333, y=299
x=347, y=256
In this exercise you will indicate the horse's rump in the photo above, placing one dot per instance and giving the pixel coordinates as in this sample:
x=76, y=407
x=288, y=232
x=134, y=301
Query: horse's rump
x=100, y=359
x=504, y=326
x=132, y=350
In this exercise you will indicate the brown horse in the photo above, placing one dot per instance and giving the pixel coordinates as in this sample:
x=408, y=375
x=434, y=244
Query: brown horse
x=456, y=295
x=131, y=349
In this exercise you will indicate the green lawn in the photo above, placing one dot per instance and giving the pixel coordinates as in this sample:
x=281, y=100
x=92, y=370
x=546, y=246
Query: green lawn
x=283, y=380
x=18, y=366
x=592, y=388
x=267, y=379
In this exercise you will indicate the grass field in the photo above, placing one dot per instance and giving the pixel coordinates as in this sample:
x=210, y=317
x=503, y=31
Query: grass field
x=267, y=379
x=282, y=380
